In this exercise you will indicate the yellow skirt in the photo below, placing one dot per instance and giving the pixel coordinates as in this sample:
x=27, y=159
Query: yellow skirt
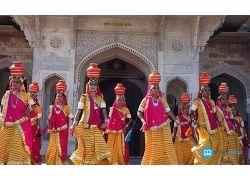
x=233, y=151
x=206, y=140
x=222, y=145
x=12, y=147
x=54, y=151
x=92, y=148
x=183, y=151
x=159, y=148
x=116, y=146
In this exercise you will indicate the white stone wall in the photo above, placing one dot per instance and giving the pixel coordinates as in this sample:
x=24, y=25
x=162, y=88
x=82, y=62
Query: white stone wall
x=178, y=58
x=54, y=56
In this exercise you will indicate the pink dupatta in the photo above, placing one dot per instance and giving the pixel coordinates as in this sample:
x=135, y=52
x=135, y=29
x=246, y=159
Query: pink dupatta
x=94, y=114
x=13, y=114
x=58, y=121
x=211, y=117
x=227, y=117
x=184, y=125
x=116, y=120
x=154, y=116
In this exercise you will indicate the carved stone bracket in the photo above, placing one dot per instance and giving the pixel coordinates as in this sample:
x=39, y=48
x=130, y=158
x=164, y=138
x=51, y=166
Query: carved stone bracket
x=28, y=26
x=203, y=28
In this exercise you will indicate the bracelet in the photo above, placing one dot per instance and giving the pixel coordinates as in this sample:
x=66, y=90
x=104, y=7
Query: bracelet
x=75, y=123
x=143, y=120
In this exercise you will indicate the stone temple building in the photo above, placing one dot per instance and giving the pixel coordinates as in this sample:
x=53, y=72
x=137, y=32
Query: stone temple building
x=127, y=49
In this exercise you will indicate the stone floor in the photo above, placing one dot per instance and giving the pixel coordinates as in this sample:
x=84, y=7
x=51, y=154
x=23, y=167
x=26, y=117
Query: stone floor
x=134, y=160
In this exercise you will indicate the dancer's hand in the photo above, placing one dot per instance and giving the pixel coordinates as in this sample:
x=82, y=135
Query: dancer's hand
x=177, y=121
x=103, y=126
x=38, y=134
x=173, y=137
x=143, y=124
x=72, y=127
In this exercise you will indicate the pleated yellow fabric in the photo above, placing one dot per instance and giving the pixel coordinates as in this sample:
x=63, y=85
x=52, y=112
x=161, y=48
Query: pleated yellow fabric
x=116, y=146
x=233, y=151
x=183, y=151
x=159, y=148
x=12, y=147
x=206, y=140
x=222, y=145
x=92, y=148
x=54, y=151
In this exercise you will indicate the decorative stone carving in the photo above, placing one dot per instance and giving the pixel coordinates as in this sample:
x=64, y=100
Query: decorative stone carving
x=177, y=46
x=46, y=75
x=143, y=42
x=73, y=20
x=161, y=32
x=56, y=41
x=195, y=31
x=38, y=31
x=142, y=57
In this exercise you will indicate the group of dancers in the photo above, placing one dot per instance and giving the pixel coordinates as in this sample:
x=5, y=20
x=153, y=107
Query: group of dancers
x=204, y=124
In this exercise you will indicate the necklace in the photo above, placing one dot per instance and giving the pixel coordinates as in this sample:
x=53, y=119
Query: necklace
x=155, y=102
x=57, y=112
x=14, y=105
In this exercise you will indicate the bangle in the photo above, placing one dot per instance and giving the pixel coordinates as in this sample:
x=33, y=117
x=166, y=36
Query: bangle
x=143, y=120
x=75, y=123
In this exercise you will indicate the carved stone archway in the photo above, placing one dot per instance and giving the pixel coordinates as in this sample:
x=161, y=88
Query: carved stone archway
x=46, y=93
x=232, y=71
x=127, y=49
x=106, y=53
x=177, y=78
x=175, y=87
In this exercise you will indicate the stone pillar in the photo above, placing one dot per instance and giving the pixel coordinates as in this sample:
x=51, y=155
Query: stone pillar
x=36, y=71
x=161, y=71
x=161, y=57
x=194, y=78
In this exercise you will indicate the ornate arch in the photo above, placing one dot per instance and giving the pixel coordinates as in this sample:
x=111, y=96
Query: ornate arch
x=110, y=46
x=51, y=75
x=234, y=72
x=179, y=78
